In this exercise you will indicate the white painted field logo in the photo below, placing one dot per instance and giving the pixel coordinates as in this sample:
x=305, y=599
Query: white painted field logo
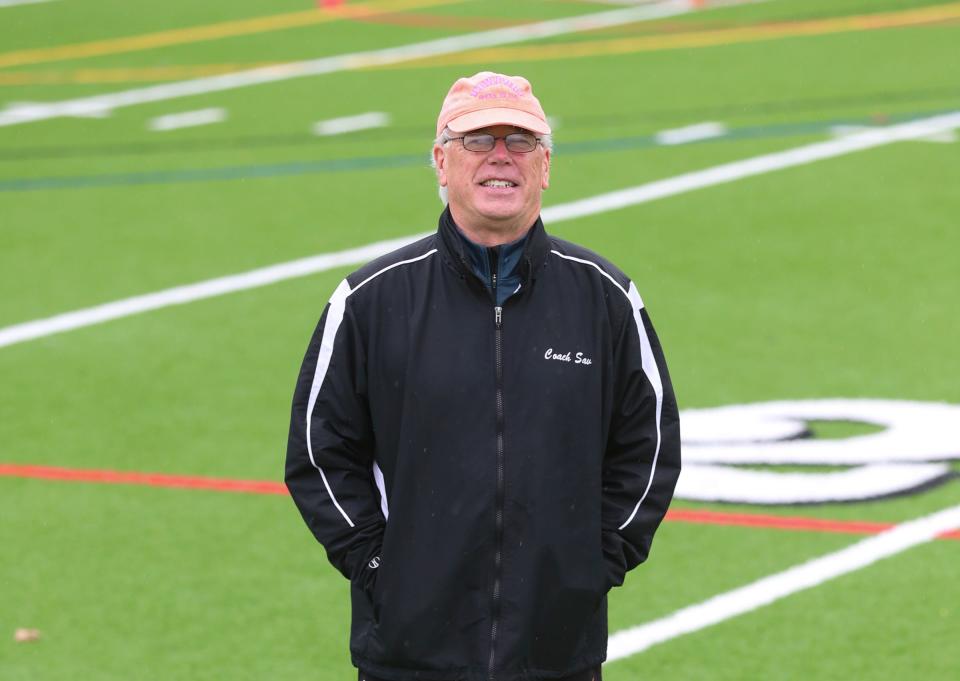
x=576, y=358
x=912, y=452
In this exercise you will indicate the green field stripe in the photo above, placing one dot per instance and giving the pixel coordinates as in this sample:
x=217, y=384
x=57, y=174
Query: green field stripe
x=259, y=170
x=592, y=121
x=362, y=163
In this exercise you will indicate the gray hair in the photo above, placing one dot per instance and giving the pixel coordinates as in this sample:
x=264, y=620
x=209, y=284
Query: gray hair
x=546, y=141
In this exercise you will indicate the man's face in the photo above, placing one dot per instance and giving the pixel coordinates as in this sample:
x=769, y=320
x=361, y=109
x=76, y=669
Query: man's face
x=477, y=206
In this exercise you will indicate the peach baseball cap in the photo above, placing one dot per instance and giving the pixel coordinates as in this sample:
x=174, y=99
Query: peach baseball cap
x=488, y=98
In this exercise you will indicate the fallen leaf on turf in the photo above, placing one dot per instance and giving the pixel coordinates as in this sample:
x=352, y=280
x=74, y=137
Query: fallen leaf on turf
x=26, y=635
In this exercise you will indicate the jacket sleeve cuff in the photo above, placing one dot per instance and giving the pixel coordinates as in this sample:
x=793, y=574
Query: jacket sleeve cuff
x=366, y=564
x=613, y=558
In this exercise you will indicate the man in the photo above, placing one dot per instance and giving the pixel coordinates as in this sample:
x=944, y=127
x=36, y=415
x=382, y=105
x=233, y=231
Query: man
x=484, y=435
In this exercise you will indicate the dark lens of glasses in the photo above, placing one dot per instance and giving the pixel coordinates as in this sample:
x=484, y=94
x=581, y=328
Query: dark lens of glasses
x=521, y=142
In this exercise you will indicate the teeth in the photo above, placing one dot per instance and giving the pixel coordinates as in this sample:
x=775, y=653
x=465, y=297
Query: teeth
x=497, y=183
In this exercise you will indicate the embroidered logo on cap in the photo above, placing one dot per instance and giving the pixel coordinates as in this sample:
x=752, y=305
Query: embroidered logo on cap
x=505, y=88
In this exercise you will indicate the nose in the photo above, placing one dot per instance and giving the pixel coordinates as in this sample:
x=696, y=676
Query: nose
x=499, y=152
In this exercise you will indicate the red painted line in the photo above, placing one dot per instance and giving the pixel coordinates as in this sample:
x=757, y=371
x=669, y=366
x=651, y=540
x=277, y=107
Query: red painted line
x=776, y=522
x=700, y=517
x=780, y=522
x=134, y=478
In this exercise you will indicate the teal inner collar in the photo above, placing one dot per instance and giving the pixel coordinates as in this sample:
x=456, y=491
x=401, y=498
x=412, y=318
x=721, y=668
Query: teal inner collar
x=504, y=259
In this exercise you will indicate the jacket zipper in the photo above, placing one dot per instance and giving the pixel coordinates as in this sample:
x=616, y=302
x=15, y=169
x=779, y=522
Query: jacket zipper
x=498, y=552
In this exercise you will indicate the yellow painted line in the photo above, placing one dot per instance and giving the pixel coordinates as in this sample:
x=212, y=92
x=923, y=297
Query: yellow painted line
x=927, y=16
x=145, y=74
x=696, y=39
x=227, y=29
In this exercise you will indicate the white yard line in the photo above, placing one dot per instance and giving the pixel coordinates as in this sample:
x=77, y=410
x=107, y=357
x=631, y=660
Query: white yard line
x=192, y=292
x=946, y=137
x=774, y=587
x=16, y=115
x=691, y=133
x=187, y=119
x=339, y=126
x=728, y=172
x=13, y=3
x=759, y=165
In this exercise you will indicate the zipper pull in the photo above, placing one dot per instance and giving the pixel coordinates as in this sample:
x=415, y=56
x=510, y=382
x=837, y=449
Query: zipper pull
x=498, y=315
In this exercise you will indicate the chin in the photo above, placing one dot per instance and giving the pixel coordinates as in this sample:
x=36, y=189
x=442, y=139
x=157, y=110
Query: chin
x=502, y=210
x=507, y=218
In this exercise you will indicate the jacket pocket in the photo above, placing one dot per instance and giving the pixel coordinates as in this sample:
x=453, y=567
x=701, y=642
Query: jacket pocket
x=568, y=610
x=375, y=594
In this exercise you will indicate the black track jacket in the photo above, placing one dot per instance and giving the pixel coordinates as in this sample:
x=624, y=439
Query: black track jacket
x=483, y=475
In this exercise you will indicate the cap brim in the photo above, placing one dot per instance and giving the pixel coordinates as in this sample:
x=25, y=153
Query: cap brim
x=488, y=117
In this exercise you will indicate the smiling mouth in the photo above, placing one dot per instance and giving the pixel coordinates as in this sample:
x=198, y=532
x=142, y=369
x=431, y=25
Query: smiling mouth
x=497, y=183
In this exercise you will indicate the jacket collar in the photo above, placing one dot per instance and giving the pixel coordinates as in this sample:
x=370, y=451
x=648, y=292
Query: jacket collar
x=455, y=250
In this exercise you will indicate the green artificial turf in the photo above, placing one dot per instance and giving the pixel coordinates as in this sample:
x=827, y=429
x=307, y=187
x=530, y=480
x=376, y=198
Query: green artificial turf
x=834, y=279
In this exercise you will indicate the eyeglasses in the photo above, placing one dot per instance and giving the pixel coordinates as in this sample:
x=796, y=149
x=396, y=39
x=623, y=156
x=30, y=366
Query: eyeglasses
x=518, y=142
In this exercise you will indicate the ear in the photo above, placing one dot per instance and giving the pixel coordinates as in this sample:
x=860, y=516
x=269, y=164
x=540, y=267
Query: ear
x=545, y=180
x=440, y=158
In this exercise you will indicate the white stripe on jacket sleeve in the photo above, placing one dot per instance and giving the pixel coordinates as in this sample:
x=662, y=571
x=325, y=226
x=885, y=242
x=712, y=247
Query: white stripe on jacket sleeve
x=649, y=364
x=382, y=487
x=338, y=304
x=647, y=360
